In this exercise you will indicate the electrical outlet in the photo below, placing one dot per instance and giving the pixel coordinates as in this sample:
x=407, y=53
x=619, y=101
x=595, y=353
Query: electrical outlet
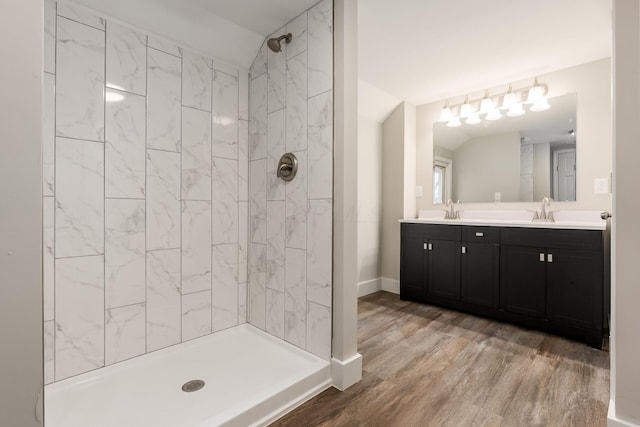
x=497, y=196
x=601, y=186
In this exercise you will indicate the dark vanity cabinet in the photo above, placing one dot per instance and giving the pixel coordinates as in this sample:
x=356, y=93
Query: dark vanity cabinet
x=549, y=279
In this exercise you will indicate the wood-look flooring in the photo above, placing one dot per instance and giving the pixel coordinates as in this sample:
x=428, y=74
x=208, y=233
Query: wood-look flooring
x=429, y=366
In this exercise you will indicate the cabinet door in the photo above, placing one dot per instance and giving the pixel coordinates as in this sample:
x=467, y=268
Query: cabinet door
x=413, y=283
x=574, y=287
x=443, y=269
x=522, y=280
x=479, y=274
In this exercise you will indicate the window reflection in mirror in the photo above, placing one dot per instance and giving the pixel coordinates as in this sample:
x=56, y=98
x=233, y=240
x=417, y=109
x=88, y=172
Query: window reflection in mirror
x=514, y=159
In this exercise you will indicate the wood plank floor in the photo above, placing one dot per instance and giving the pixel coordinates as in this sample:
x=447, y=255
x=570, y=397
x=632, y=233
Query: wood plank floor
x=428, y=366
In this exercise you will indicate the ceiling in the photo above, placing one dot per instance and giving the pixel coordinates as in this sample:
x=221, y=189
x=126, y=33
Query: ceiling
x=425, y=51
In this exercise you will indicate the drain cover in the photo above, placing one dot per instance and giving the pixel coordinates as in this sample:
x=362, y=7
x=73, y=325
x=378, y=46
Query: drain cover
x=193, y=385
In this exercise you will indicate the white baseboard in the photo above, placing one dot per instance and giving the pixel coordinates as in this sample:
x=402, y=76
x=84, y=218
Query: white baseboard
x=369, y=287
x=391, y=285
x=613, y=421
x=345, y=373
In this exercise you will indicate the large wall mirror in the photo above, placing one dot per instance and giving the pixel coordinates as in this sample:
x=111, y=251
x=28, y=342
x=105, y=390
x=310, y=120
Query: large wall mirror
x=514, y=159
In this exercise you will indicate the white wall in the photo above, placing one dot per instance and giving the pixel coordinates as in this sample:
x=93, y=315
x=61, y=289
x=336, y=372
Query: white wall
x=369, y=198
x=21, y=36
x=592, y=83
x=496, y=159
x=624, y=409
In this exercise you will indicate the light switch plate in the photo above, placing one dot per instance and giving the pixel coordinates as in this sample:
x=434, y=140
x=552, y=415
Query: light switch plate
x=419, y=192
x=601, y=186
x=497, y=196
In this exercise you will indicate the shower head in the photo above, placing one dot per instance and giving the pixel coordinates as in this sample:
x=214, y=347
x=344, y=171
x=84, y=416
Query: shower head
x=274, y=43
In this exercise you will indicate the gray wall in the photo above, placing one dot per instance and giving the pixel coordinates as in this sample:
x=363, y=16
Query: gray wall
x=21, y=225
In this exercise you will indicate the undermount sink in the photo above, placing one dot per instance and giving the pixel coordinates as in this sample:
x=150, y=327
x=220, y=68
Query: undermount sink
x=576, y=216
x=431, y=214
x=478, y=215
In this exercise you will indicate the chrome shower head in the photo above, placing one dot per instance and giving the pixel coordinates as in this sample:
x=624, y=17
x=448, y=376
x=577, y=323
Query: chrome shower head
x=274, y=43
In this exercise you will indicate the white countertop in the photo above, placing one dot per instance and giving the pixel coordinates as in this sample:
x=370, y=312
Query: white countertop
x=572, y=220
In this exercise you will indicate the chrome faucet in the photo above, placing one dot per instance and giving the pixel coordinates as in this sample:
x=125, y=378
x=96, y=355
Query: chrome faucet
x=451, y=212
x=545, y=202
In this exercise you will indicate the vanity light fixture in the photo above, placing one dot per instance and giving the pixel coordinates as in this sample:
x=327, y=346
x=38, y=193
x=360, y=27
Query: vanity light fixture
x=512, y=102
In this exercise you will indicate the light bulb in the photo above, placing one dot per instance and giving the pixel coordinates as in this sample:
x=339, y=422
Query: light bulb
x=445, y=113
x=486, y=105
x=536, y=93
x=516, y=110
x=465, y=109
x=509, y=100
x=473, y=119
x=454, y=122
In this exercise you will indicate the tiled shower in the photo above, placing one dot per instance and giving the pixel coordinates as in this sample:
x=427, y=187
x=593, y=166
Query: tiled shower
x=163, y=218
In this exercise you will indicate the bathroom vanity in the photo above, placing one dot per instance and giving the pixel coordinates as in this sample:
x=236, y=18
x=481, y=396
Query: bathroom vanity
x=543, y=275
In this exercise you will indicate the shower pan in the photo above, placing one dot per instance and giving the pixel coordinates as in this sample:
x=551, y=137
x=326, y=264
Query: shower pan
x=184, y=282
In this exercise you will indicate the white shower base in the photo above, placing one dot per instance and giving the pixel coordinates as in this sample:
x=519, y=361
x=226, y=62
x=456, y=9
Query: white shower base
x=252, y=378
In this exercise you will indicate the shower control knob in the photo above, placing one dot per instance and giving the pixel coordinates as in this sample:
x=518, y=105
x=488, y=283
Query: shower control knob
x=287, y=167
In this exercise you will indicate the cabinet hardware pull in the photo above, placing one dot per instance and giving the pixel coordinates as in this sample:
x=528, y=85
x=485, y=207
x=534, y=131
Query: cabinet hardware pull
x=425, y=246
x=464, y=249
x=430, y=247
x=479, y=234
x=550, y=258
x=541, y=256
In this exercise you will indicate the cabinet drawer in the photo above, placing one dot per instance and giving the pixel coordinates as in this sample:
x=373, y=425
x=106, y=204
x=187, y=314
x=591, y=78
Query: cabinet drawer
x=588, y=240
x=432, y=231
x=481, y=234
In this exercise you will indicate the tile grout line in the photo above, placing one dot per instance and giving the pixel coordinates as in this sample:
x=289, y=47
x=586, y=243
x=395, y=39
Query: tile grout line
x=146, y=194
x=104, y=202
x=55, y=186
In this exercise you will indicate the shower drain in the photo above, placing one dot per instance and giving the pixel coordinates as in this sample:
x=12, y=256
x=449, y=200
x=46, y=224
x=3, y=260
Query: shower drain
x=193, y=385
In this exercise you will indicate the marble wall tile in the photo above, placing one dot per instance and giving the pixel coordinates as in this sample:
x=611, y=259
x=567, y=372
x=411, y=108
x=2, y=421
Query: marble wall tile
x=196, y=154
x=49, y=136
x=275, y=245
x=319, y=330
x=242, y=303
x=243, y=240
x=320, y=44
x=125, y=334
x=225, y=286
x=82, y=15
x=125, y=146
x=196, y=246
x=48, y=257
x=163, y=299
x=275, y=313
x=49, y=59
x=225, y=196
x=276, y=72
x=225, y=115
x=526, y=159
x=258, y=202
x=196, y=315
x=126, y=59
x=79, y=198
x=163, y=100
x=296, y=206
x=229, y=69
x=258, y=118
x=49, y=352
x=80, y=64
x=124, y=252
x=257, y=285
x=196, y=81
x=243, y=95
x=297, y=103
x=319, y=251
x=321, y=146
x=295, y=303
x=163, y=200
x=165, y=46
x=79, y=317
x=275, y=149
x=243, y=160
x=259, y=65
x=298, y=29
